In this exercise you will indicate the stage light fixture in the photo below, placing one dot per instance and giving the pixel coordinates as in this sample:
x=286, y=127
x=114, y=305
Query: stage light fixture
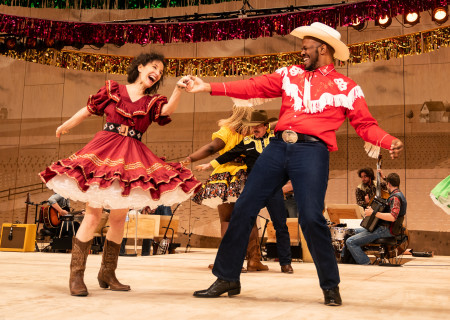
x=440, y=15
x=30, y=43
x=412, y=18
x=10, y=43
x=383, y=22
x=359, y=25
x=49, y=42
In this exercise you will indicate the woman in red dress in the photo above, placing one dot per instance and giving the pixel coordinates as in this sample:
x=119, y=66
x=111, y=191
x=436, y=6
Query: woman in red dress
x=115, y=170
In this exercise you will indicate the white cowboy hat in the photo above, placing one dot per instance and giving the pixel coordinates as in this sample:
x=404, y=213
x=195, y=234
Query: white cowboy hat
x=327, y=34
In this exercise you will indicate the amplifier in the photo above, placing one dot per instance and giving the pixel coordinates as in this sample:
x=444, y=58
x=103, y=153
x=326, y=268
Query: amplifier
x=18, y=237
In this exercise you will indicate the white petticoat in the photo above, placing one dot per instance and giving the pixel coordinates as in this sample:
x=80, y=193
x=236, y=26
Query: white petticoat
x=216, y=201
x=111, y=197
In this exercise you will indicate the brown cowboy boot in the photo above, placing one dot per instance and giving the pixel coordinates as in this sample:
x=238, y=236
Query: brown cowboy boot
x=106, y=275
x=254, y=253
x=80, y=251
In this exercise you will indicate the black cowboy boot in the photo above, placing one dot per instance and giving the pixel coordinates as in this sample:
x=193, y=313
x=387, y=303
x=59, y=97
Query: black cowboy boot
x=220, y=287
x=332, y=297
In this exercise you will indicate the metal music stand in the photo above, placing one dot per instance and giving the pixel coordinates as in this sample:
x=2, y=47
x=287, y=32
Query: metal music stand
x=344, y=211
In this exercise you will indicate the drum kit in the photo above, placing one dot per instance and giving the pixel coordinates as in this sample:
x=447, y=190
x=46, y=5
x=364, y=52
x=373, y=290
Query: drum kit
x=339, y=234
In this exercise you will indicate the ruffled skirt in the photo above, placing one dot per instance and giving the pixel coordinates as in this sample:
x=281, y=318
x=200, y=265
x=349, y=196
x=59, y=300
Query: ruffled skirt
x=223, y=186
x=116, y=172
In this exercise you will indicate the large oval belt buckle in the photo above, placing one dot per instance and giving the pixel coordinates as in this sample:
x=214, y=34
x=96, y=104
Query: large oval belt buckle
x=289, y=136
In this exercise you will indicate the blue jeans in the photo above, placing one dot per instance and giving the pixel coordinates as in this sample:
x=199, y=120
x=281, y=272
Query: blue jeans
x=306, y=165
x=363, y=237
x=277, y=211
x=291, y=207
x=163, y=210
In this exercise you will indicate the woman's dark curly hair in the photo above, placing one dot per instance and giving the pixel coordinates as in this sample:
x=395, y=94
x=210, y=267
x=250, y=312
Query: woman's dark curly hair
x=144, y=59
x=368, y=171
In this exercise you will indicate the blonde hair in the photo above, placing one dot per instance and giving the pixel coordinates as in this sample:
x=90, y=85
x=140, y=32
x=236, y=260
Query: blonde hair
x=234, y=122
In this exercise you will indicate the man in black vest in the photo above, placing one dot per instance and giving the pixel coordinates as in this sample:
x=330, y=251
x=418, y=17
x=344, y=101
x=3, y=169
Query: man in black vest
x=250, y=148
x=388, y=221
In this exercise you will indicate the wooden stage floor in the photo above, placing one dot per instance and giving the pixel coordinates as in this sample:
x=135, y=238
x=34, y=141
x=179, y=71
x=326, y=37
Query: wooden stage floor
x=35, y=286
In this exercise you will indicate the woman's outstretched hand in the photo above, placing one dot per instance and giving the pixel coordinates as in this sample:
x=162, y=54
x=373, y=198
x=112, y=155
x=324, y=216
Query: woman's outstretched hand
x=203, y=167
x=60, y=130
x=187, y=161
x=194, y=84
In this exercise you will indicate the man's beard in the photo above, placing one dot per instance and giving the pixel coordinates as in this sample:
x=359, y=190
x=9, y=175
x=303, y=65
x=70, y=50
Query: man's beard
x=313, y=64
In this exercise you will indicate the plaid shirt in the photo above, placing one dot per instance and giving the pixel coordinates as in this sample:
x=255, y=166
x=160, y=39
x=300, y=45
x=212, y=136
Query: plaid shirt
x=394, y=204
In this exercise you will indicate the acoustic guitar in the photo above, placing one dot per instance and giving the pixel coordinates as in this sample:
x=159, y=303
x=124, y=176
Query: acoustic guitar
x=378, y=203
x=51, y=216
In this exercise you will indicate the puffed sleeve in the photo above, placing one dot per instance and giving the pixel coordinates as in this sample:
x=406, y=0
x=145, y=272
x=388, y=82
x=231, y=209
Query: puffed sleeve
x=98, y=102
x=157, y=103
x=223, y=134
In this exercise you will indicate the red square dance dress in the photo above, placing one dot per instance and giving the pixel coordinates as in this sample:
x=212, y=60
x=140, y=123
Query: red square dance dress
x=115, y=171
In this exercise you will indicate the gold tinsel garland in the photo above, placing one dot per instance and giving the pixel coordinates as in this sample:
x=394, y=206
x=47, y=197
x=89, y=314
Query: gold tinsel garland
x=384, y=49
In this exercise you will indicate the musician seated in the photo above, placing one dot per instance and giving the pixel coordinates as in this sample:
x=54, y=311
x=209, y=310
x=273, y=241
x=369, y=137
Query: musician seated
x=387, y=223
x=62, y=206
x=365, y=192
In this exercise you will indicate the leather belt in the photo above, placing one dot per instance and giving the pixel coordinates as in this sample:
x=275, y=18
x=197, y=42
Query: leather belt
x=290, y=136
x=123, y=130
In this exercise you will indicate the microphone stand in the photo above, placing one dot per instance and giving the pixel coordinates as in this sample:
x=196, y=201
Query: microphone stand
x=36, y=220
x=262, y=236
x=188, y=245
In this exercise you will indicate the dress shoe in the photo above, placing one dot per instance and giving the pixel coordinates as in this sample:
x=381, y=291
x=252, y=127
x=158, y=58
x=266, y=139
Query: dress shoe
x=332, y=297
x=287, y=269
x=220, y=287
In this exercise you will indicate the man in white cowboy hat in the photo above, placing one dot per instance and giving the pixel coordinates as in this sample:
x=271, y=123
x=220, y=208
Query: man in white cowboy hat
x=250, y=148
x=316, y=100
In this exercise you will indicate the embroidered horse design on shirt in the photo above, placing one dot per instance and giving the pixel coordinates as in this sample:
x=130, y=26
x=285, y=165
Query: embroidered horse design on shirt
x=326, y=99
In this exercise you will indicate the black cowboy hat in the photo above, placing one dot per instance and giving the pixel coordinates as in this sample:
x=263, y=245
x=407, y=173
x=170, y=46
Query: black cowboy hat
x=258, y=117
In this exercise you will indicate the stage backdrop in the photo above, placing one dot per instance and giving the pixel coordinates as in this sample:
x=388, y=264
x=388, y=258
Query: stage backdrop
x=408, y=96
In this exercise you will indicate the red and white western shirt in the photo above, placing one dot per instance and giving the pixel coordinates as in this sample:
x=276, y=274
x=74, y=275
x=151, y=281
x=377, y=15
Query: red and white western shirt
x=313, y=102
